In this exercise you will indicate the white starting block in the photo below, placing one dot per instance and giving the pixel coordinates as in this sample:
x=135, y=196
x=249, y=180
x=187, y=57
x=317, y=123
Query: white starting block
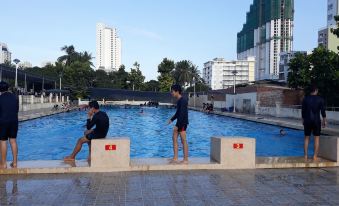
x=110, y=153
x=233, y=152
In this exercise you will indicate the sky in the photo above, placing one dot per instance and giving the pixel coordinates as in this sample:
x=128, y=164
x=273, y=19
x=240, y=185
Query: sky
x=196, y=30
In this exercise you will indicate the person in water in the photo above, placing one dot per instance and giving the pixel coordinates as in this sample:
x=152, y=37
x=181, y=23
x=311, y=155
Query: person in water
x=96, y=118
x=181, y=115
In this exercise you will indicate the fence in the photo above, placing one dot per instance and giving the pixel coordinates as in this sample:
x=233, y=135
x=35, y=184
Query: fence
x=123, y=95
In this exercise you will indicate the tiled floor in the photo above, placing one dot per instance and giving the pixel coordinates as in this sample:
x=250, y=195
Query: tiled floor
x=231, y=187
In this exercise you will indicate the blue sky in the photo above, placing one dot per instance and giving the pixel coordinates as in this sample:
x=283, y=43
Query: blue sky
x=198, y=30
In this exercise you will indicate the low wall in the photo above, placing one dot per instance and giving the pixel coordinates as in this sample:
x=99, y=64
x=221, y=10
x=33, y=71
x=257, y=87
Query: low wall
x=29, y=107
x=328, y=148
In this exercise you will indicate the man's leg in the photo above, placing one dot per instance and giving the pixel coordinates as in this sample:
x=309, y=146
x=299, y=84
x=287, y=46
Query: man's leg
x=185, y=146
x=14, y=147
x=175, y=145
x=306, y=142
x=3, y=147
x=316, y=148
x=77, y=149
x=89, y=151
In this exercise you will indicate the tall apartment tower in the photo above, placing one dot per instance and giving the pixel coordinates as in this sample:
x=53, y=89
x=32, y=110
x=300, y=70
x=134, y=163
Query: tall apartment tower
x=268, y=31
x=5, y=55
x=108, y=48
x=332, y=11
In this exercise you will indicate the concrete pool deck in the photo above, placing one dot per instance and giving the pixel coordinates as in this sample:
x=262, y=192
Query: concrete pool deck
x=175, y=188
x=331, y=129
x=158, y=164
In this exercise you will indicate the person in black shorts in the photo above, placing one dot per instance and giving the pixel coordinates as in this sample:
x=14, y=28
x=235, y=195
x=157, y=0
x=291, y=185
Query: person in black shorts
x=9, y=108
x=96, y=118
x=312, y=106
x=181, y=116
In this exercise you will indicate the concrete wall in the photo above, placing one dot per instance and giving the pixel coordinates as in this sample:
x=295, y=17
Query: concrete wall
x=244, y=103
x=199, y=100
x=329, y=148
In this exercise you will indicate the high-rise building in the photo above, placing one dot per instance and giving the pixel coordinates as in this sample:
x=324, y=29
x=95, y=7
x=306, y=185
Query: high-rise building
x=218, y=73
x=108, y=48
x=267, y=32
x=325, y=37
x=285, y=58
x=328, y=40
x=5, y=55
x=332, y=11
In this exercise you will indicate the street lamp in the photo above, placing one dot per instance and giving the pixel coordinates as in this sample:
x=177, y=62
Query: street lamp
x=234, y=72
x=16, y=61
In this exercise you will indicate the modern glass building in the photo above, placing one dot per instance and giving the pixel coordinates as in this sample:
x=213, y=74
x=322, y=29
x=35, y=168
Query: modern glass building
x=268, y=31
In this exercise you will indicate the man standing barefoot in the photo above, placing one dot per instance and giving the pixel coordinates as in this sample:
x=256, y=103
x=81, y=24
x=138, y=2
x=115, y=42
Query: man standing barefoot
x=9, y=108
x=181, y=116
x=311, y=107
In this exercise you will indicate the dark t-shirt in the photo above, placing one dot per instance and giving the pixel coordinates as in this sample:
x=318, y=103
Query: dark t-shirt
x=9, y=108
x=101, y=122
x=311, y=108
x=181, y=114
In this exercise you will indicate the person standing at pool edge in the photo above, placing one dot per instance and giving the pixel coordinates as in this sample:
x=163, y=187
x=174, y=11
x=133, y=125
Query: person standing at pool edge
x=311, y=107
x=181, y=115
x=96, y=118
x=9, y=108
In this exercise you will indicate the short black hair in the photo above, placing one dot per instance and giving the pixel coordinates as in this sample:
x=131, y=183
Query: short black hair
x=93, y=104
x=3, y=86
x=176, y=88
x=313, y=88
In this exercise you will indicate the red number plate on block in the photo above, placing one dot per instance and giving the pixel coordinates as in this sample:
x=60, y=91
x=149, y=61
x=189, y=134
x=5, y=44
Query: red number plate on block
x=238, y=146
x=110, y=147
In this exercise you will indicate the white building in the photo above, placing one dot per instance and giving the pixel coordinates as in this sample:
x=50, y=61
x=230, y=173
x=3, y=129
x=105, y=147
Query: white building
x=5, y=55
x=218, y=74
x=332, y=11
x=285, y=58
x=25, y=65
x=108, y=48
x=267, y=32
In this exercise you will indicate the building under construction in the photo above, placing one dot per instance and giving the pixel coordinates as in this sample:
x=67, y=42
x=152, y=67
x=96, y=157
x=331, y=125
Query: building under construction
x=268, y=31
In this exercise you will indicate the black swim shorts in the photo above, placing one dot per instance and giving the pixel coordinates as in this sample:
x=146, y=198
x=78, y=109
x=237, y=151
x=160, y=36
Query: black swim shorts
x=312, y=127
x=8, y=130
x=92, y=135
x=181, y=128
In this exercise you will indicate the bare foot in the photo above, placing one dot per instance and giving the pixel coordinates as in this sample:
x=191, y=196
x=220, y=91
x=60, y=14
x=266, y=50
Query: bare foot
x=3, y=166
x=315, y=158
x=184, y=162
x=69, y=158
x=174, y=161
x=306, y=159
x=13, y=165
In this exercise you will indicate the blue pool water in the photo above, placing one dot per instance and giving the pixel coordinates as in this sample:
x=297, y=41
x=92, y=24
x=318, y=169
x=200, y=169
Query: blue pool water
x=54, y=137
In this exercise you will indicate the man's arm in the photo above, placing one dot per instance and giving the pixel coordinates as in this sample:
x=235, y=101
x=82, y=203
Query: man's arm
x=91, y=122
x=323, y=113
x=303, y=110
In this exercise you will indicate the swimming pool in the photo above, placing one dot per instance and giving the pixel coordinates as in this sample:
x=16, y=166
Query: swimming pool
x=53, y=137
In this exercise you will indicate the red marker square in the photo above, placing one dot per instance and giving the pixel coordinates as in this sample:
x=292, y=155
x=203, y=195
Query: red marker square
x=238, y=146
x=110, y=147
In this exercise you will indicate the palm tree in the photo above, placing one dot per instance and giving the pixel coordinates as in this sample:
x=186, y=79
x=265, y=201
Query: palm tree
x=86, y=57
x=70, y=55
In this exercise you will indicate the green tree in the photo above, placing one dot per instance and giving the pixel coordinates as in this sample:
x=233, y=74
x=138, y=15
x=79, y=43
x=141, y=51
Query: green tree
x=151, y=85
x=319, y=68
x=185, y=73
x=166, y=80
x=135, y=77
x=299, y=75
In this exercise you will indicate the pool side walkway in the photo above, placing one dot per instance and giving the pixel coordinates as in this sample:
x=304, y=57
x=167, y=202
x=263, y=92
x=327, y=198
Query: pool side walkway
x=331, y=129
x=38, y=113
x=175, y=188
x=158, y=164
